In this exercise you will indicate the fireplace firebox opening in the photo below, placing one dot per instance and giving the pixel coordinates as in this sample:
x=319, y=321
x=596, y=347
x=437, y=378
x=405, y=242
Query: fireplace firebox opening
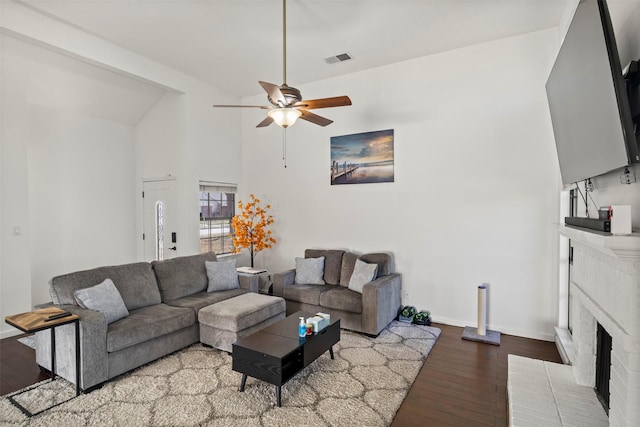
x=603, y=366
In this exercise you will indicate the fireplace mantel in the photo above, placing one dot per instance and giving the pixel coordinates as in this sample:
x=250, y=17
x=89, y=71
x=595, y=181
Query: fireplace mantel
x=625, y=247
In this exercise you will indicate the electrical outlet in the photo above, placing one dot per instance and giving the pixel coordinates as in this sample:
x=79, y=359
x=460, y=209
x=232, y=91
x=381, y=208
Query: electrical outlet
x=628, y=177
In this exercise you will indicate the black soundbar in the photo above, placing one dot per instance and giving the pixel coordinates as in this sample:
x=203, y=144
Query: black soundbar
x=590, y=223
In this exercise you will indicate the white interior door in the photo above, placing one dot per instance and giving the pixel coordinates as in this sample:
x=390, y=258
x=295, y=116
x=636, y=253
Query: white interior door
x=159, y=220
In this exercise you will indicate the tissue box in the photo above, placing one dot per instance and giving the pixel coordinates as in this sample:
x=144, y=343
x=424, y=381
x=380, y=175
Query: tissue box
x=320, y=321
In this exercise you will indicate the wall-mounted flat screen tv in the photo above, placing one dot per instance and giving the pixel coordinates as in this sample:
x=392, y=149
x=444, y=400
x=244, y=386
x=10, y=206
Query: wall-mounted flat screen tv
x=587, y=96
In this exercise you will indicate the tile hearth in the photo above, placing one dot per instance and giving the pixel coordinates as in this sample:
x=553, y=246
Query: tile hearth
x=546, y=394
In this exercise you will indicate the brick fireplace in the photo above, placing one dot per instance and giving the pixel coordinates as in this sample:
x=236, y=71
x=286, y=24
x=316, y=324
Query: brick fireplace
x=605, y=290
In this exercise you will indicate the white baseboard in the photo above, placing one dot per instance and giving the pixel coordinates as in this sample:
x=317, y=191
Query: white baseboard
x=500, y=328
x=9, y=332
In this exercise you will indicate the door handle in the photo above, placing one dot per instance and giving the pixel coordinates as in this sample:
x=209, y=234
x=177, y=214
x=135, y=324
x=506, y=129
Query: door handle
x=173, y=248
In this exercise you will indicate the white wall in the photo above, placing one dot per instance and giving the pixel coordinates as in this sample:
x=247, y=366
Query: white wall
x=15, y=271
x=81, y=195
x=159, y=149
x=185, y=138
x=212, y=154
x=68, y=169
x=83, y=122
x=476, y=181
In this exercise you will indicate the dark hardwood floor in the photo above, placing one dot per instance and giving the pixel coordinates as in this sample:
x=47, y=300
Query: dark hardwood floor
x=18, y=368
x=462, y=383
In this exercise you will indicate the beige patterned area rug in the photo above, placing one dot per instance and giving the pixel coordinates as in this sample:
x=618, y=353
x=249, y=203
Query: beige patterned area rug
x=363, y=386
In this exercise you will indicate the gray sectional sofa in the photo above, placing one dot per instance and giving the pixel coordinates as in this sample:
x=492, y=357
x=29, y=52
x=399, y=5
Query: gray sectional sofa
x=367, y=308
x=163, y=299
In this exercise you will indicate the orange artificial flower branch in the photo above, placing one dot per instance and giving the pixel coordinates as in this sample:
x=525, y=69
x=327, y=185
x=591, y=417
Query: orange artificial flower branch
x=250, y=228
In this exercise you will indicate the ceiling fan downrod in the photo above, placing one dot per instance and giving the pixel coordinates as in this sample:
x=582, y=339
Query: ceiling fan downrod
x=284, y=42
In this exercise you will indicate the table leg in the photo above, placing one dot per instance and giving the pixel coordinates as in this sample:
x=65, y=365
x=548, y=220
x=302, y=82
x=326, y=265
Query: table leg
x=77, y=357
x=53, y=353
x=279, y=395
x=331, y=352
x=243, y=382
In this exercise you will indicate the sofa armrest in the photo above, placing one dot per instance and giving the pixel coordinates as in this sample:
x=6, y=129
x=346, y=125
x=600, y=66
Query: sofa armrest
x=249, y=281
x=381, y=300
x=94, y=366
x=282, y=280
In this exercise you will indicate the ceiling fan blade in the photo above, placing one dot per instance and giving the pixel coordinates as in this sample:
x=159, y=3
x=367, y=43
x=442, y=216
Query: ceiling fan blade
x=314, y=118
x=274, y=92
x=266, y=122
x=336, y=101
x=264, y=107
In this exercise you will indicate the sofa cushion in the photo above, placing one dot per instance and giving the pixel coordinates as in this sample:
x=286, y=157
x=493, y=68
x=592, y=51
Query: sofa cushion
x=198, y=301
x=147, y=323
x=332, y=263
x=105, y=298
x=309, y=271
x=182, y=276
x=341, y=298
x=222, y=275
x=135, y=282
x=308, y=294
x=363, y=273
x=348, y=263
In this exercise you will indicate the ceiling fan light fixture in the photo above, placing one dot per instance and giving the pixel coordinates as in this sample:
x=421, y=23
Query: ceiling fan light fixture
x=286, y=101
x=284, y=117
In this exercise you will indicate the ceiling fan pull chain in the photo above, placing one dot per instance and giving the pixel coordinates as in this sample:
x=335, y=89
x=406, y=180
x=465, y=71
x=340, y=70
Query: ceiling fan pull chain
x=284, y=147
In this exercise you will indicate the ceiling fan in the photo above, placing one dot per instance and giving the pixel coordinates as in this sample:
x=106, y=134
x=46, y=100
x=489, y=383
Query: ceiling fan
x=286, y=101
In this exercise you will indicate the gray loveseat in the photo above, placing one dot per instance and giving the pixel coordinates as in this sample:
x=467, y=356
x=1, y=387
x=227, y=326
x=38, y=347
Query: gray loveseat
x=163, y=299
x=368, y=312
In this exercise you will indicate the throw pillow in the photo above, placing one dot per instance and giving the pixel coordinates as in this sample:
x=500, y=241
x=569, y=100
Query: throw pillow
x=309, y=271
x=222, y=275
x=105, y=298
x=363, y=273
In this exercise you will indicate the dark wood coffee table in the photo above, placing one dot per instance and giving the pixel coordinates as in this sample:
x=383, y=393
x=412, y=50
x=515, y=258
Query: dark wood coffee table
x=276, y=353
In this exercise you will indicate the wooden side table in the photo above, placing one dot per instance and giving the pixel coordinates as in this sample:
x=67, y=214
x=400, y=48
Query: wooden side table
x=38, y=320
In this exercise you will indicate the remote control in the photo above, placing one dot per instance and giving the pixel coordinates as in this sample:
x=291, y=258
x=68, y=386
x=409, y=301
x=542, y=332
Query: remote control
x=57, y=316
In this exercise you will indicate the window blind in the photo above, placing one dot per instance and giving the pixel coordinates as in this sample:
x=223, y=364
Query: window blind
x=217, y=187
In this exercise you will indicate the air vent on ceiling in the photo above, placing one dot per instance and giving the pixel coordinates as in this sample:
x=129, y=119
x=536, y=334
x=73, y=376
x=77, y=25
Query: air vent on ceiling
x=338, y=58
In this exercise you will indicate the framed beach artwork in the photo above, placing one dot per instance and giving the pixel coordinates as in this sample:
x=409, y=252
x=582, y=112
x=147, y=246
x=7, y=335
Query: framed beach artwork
x=362, y=158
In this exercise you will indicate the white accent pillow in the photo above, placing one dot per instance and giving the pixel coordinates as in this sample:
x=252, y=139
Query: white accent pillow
x=222, y=275
x=363, y=273
x=309, y=271
x=105, y=298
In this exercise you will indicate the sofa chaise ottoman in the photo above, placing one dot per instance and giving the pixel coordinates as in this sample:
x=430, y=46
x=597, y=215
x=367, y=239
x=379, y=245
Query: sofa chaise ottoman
x=223, y=323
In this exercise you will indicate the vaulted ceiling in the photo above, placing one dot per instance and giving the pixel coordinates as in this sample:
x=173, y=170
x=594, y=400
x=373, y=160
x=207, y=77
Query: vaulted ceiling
x=234, y=43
